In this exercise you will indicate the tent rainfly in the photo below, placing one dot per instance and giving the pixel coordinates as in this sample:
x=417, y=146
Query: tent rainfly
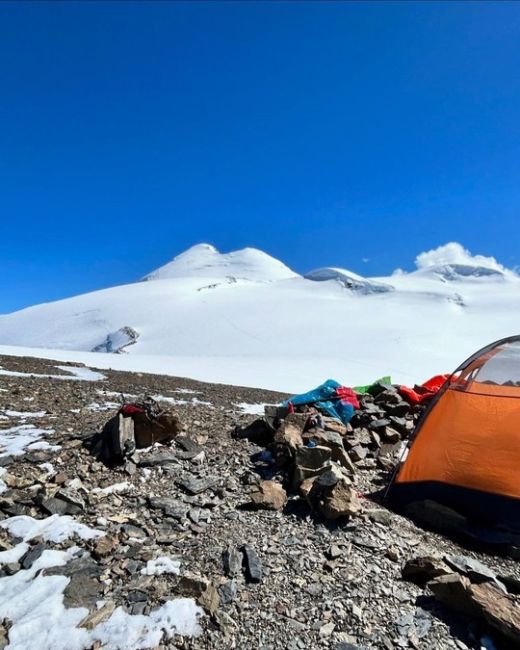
x=465, y=452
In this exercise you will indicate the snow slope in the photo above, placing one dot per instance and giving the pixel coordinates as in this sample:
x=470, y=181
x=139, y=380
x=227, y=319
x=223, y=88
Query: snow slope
x=245, y=318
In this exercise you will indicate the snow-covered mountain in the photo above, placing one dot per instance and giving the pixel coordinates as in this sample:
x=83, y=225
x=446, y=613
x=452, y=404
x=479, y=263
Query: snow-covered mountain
x=246, y=318
x=204, y=261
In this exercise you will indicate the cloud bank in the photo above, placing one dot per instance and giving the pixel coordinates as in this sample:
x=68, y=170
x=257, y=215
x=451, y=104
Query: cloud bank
x=454, y=253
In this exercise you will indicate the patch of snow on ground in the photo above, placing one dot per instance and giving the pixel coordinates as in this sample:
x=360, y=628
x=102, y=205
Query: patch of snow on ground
x=77, y=374
x=56, y=528
x=176, y=402
x=42, y=444
x=85, y=374
x=15, y=440
x=3, y=486
x=34, y=604
x=95, y=407
x=14, y=554
x=161, y=565
x=124, y=631
x=115, y=393
x=117, y=488
x=48, y=468
x=198, y=402
x=22, y=414
x=251, y=409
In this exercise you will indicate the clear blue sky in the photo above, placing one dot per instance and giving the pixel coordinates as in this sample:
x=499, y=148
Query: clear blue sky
x=322, y=133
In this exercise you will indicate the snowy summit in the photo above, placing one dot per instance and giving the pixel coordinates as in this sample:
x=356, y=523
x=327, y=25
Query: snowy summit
x=205, y=261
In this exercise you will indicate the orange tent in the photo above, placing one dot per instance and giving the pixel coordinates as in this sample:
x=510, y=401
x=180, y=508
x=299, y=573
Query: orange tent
x=465, y=451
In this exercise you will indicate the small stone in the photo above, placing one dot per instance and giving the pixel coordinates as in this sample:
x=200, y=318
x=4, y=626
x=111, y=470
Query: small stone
x=380, y=516
x=228, y=592
x=392, y=553
x=104, y=546
x=98, y=616
x=334, y=552
x=202, y=590
x=327, y=629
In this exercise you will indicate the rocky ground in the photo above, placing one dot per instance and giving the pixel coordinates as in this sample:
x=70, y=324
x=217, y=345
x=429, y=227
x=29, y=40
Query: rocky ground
x=307, y=582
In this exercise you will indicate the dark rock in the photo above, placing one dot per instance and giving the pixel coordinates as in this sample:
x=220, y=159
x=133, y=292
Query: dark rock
x=398, y=423
x=194, y=485
x=512, y=584
x=257, y=432
x=228, y=592
x=422, y=569
x=252, y=564
x=137, y=596
x=357, y=453
x=188, y=444
x=32, y=555
x=475, y=570
x=379, y=425
x=398, y=410
x=232, y=561
x=134, y=531
x=170, y=507
x=56, y=506
x=159, y=459
x=84, y=589
x=312, y=457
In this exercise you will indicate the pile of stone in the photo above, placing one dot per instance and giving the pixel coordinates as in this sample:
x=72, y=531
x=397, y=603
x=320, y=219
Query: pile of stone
x=319, y=457
x=472, y=589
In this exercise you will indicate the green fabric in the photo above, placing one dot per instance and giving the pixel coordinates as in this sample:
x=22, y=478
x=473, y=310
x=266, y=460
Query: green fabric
x=366, y=389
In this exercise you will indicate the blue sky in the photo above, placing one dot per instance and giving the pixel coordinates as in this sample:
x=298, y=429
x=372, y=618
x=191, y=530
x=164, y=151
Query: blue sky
x=347, y=134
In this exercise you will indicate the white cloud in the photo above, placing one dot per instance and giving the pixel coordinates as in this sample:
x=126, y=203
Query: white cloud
x=454, y=253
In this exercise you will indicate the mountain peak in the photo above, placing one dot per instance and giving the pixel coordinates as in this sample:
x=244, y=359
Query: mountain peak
x=204, y=260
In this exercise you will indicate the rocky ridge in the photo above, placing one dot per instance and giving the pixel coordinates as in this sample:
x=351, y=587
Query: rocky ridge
x=218, y=518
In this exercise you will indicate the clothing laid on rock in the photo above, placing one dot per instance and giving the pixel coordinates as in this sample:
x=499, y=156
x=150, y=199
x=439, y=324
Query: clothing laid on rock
x=330, y=398
x=136, y=425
